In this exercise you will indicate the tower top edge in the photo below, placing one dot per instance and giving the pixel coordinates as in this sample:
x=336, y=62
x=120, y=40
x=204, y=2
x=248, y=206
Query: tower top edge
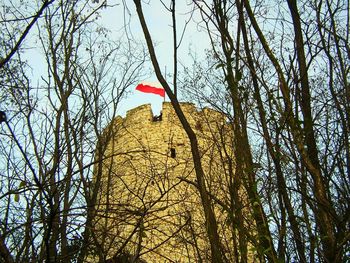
x=166, y=106
x=145, y=110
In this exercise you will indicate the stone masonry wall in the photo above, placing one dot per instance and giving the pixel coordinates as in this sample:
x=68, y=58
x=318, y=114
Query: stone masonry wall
x=149, y=205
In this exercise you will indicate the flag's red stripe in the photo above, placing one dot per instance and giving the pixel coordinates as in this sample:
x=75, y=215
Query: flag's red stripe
x=149, y=89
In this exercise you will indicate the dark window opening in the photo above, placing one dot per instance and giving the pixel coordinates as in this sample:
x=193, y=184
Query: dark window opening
x=172, y=153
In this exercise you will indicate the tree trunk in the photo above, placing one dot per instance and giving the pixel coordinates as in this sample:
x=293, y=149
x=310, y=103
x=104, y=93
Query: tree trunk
x=211, y=224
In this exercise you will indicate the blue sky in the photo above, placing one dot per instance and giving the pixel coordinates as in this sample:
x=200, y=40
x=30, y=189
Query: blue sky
x=159, y=23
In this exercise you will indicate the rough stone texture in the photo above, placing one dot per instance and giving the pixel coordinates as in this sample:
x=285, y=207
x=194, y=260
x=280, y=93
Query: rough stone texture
x=148, y=203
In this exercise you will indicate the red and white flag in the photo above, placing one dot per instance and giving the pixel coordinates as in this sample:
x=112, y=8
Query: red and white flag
x=151, y=87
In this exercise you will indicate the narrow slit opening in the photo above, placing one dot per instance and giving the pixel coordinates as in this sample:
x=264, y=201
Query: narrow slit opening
x=172, y=153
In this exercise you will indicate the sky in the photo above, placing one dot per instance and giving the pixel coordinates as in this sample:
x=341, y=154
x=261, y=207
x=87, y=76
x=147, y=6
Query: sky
x=159, y=23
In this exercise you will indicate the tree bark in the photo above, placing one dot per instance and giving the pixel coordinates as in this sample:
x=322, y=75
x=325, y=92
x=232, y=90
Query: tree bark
x=211, y=224
x=276, y=160
x=324, y=208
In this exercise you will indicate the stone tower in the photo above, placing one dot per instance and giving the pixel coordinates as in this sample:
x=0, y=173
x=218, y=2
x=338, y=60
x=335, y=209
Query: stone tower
x=149, y=207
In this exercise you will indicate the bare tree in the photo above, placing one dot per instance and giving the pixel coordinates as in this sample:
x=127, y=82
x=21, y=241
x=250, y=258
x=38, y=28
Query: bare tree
x=289, y=95
x=278, y=72
x=211, y=227
x=47, y=192
x=11, y=16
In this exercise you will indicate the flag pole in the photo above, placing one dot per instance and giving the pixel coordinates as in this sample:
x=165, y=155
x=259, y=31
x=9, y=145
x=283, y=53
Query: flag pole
x=166, y=81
